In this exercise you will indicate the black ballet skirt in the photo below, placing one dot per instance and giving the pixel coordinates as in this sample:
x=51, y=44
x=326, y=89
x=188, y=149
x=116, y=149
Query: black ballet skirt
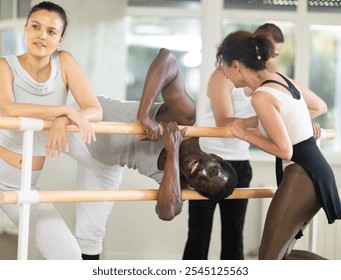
x=308, y=155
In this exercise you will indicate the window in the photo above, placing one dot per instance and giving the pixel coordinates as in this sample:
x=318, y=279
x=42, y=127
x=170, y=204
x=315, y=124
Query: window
x=11, y=34
x=325, y=72
x=146, y=35
x=6, y=9
x=7, y=42
x=14, y=8
x=24, y=6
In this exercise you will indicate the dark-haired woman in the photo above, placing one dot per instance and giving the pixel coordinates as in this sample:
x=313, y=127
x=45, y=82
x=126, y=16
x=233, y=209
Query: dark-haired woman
x=226, y=103
x=284, y=109
x=35, y=85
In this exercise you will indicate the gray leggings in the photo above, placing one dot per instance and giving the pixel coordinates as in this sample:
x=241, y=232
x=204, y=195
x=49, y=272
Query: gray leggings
x=48, y=231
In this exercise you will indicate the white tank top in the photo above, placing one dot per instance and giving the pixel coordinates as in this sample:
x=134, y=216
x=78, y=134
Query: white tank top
x=295, y=115
x=228, y=148
x=27, y=90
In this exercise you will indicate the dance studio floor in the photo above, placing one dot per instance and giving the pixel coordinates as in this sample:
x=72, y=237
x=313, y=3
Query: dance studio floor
x=8, y=246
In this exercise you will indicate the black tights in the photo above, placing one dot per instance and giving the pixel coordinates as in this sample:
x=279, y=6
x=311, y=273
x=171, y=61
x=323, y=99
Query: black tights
x=293, y=206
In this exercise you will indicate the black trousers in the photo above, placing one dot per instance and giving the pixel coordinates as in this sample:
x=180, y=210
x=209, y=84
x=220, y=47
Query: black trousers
x=232, y=213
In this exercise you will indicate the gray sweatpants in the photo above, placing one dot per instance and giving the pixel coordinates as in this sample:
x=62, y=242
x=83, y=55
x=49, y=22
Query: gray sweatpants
x=48, y=230
x=91, y=217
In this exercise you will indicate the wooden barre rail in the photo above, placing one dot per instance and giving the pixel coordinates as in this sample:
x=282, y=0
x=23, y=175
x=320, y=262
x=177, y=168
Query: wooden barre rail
x=135, y=129
x=12, y=197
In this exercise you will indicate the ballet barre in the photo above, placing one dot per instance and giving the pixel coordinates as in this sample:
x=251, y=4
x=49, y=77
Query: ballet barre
x=25, y=197
x=130, y=128
x=18, y=197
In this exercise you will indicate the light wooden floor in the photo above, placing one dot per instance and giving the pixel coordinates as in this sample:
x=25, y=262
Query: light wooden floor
x=8, y=246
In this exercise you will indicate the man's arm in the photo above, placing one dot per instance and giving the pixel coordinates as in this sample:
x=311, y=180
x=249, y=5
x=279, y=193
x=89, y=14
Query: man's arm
x=169, y=199
x=164, y=77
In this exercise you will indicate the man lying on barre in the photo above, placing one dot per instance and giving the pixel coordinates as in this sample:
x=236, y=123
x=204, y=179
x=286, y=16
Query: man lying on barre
x=171, y=159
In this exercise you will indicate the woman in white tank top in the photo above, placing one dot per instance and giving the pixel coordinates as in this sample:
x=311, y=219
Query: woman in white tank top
x=34, y=85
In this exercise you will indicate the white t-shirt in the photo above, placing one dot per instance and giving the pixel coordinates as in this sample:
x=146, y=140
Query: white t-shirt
x=228, y=148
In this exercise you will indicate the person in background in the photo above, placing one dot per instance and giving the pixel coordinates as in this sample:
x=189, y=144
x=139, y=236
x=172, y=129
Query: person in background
x=226, y=104
x=284, y=109
x=276, y=37
x=35, y=85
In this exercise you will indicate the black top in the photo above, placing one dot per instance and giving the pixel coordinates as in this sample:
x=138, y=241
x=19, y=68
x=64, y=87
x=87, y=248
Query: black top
x=290, y=87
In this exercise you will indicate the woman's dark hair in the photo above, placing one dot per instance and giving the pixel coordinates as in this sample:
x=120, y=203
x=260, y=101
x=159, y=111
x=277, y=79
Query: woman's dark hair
x=51, y=7
x=230, y=185
x=251, y=50
x=271, y=29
